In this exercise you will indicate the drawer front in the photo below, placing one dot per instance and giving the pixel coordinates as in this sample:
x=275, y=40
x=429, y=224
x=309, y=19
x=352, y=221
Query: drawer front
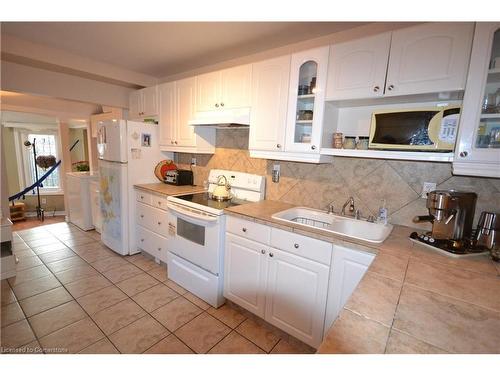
x=249, y=229
x=152, y=243
x=152, y=218
x=307, y=247
x=159, y=222
x=159, y=201
x=145, y=215
x=143, y=197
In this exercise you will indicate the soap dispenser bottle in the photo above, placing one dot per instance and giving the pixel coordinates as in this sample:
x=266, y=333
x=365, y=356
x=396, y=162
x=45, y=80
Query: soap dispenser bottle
x=382, y=213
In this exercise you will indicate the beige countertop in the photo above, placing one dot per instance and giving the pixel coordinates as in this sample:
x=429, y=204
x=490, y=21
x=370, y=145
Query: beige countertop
x=411, y=299
x=165, y=189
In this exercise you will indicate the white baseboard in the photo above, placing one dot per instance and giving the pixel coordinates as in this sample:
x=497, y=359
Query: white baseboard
x=47, y=213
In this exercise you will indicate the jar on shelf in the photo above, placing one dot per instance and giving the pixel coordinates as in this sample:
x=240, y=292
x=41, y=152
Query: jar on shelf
x=362, y=143
x=312, y=86
x=337, y=140
x=303, y=90
x=349, y=142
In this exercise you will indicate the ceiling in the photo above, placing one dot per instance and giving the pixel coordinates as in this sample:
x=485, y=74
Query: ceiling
x=160, y=49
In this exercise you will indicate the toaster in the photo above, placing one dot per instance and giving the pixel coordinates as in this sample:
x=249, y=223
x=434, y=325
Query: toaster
x=179, y=177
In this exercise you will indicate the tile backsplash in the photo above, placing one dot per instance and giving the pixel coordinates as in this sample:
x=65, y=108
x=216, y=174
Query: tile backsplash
x=367, y=180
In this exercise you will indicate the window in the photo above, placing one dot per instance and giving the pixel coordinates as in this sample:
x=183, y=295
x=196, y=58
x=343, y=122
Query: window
x=45, y=144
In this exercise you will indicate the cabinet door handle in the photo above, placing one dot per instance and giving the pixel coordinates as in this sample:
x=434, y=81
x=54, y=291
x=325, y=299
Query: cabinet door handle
x=271, y=255
x=376, y=88
x=278, y=146
x=159, y=249
x=142, y=239
x=142, y=216
x=142, y=196
x=222, y=104
x=296, y=245
x=263, y=251
x=171, y=142
x=216, y=105
x=244, y=230
x=175, y=142
x=464, y=154
x=159, y=203
x=390, y=88
x=159, y=223
x=313, y=147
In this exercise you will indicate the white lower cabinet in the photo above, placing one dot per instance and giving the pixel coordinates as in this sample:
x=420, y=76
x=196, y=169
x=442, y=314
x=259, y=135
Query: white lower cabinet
x=296, y=296
x=347, y=270
x=287, y=290
x=245, y=270
x=152, y=225
x=288, y=280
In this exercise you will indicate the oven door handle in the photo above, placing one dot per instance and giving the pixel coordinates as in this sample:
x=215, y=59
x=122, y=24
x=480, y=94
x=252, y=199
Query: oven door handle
x=191, y=214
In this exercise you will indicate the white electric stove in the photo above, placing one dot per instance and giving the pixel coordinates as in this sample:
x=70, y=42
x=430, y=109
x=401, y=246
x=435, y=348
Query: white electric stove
x=197, y=228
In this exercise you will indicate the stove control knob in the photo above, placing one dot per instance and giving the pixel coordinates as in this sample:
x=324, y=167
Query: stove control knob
x=244, y=230
x=271, y=255
x=263, y=251
x=426, y=238
x=431, y=240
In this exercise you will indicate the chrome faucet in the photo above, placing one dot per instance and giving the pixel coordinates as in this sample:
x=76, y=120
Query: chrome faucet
x=350, y=203
x=331, y=208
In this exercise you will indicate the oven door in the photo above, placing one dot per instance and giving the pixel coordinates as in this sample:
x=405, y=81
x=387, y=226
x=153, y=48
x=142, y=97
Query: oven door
x=196, y=236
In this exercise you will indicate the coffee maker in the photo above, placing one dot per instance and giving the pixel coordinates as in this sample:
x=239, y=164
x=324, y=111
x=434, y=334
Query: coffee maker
x=451, y=213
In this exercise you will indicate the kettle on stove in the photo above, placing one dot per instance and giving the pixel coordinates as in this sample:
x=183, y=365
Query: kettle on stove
x=223, y=189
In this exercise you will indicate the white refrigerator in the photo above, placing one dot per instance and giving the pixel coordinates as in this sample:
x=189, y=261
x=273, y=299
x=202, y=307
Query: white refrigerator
x=128, y=153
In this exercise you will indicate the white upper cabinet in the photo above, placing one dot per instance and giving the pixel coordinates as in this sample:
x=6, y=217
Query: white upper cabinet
x=135, y=105
x=166, y=94
x=150, y=101
x=357, y=69
x=143, y=103
x=270, y=81
x=306, y=100
x=225, y=89
x=208, y=91
x=185, y=109
x=236, y=87
x=428, y=58
x=177, y=104
x=477, y=150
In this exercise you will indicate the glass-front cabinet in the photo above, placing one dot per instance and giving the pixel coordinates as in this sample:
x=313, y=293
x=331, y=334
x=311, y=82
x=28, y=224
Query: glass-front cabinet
x=478, y=146
x=306, y=100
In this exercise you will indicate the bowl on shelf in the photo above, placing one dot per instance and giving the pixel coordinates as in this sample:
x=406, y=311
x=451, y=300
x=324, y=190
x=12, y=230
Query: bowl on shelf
x=305, y=138
x=305, y=115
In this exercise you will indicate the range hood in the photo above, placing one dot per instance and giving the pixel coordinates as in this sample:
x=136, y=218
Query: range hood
x=223, y=119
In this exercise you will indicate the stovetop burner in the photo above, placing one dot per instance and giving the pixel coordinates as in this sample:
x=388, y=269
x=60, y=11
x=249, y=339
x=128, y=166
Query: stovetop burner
x=205, y=200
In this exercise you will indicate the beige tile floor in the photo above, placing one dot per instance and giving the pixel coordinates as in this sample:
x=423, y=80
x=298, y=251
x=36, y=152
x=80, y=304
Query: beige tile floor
x=73, y=295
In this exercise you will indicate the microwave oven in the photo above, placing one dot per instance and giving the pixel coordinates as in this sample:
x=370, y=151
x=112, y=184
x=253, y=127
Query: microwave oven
x=415, y=129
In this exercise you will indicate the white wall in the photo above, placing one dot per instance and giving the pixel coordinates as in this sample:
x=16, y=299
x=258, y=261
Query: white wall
x=27, y=79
